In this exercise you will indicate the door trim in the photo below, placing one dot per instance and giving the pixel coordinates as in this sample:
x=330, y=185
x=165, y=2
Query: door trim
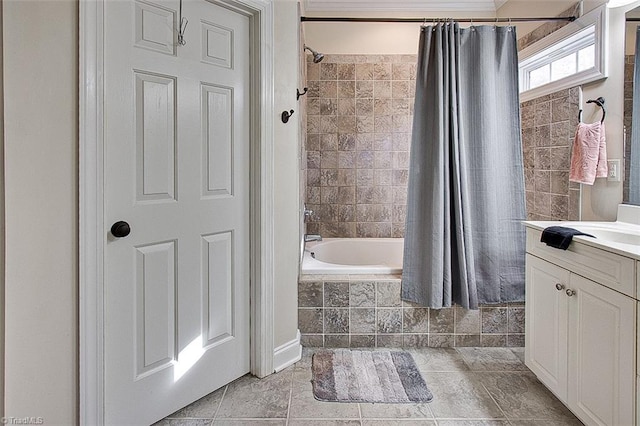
x=91, y=186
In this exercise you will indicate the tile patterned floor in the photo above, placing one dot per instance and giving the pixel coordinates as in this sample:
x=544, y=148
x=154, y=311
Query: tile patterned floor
x=472, y=386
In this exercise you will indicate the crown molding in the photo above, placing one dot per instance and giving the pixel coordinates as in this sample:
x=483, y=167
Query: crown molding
x=500, y=3
x=402, y=6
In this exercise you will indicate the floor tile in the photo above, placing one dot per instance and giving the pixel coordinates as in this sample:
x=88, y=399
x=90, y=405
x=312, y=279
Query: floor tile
x=519, y=352
x=491, y=359
x=473, y=423
x=305, y=406
x=575, y=422
x=305, y=361
x=250, y=422
x=471, y=387
x=521, y=396
x=395, y=411
x=398, y=422
x=204, y=408
x=250, y=397
x=183, y=422
x=460, y=395
x=438, y=359
x=324, y=422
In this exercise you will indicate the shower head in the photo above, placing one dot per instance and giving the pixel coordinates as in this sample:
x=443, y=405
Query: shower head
x=317, y=57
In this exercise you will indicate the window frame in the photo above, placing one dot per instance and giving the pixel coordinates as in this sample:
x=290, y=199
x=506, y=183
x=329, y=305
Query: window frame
x=544, y=52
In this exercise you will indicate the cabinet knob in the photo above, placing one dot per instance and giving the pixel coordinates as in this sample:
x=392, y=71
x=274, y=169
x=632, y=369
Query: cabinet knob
x=570, y=292
x=559, y=286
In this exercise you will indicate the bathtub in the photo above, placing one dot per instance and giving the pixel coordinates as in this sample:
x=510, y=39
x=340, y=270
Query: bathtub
x=353, y=256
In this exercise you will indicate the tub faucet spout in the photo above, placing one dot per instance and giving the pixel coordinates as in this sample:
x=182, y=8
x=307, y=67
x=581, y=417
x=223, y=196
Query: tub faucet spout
x=312, y=237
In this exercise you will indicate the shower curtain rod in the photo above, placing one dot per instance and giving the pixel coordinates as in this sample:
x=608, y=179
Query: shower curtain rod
x=428, y=20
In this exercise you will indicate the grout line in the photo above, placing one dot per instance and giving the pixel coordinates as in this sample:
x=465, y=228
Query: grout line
x=323, y=314
x=293, y=372
x=224, y=393
x=360, y=413
x=493, y=399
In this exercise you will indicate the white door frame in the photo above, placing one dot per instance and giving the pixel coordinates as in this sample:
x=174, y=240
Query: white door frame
x=92, y=230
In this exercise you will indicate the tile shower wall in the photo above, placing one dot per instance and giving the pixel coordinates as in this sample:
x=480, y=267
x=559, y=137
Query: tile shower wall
x=629, y=66
x=358, y=132
x=547, y=28
x=359, y=117
x=357, y=311
x=548, y=128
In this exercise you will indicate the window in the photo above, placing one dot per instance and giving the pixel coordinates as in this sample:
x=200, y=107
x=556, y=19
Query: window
x=571, y=56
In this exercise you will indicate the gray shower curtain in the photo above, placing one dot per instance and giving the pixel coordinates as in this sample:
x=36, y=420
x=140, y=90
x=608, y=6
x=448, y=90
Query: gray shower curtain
x=464, y=240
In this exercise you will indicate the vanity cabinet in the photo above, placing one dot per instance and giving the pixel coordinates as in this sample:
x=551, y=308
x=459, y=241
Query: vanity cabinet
x=581, y=334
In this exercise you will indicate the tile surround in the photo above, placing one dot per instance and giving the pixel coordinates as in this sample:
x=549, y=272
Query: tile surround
x=548, y=127
x=546, y=28
x=359, y=114
x=356, y=311
x=359, y=118
x=629, y=66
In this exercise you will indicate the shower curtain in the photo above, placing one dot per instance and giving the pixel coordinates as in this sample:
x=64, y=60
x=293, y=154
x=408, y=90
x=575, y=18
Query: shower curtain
x=464, y=240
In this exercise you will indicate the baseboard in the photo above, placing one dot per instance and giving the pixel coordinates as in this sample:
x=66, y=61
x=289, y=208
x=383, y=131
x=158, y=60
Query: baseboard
x=287, y=354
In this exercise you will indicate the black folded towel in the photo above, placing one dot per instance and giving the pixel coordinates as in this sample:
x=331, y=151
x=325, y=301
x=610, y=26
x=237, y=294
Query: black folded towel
x=560, y=236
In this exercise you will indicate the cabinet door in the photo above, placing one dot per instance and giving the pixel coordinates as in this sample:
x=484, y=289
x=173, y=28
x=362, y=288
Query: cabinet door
x=546, y=324
x=602, y=325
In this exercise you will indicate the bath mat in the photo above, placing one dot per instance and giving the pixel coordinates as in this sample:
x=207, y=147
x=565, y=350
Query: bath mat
x=343, y=375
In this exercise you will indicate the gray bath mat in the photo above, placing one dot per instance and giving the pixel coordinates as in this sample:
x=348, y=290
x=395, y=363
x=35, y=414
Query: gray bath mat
x=343, y=375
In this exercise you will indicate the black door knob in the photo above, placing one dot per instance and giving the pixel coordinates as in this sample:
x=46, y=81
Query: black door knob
x=120, y=229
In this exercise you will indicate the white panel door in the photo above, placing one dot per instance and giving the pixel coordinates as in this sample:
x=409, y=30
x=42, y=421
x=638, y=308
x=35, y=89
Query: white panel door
x=602, y=354
x=177, y=171
x=546, y=324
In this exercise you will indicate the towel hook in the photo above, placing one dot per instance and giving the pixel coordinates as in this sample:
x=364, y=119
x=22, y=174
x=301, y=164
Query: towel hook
x=600, y=103
x=183, y=27
x=286, y=115
x=299, y=93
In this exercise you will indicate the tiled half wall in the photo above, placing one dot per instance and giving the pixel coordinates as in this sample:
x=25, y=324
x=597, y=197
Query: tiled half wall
x=366, y=311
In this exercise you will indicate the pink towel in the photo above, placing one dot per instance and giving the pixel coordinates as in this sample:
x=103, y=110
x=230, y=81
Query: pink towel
x=589, y=154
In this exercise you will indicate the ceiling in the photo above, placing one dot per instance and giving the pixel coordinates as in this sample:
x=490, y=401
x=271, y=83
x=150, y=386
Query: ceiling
x=403, y=5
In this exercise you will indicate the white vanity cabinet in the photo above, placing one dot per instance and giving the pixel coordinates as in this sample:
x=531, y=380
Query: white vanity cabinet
x=581, y=329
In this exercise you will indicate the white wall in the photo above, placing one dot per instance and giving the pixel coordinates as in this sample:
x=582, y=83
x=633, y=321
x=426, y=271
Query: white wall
x=41, y=148
x=362, y=38
x=1, y=231
x=287, y=54
x=370, y=38
x=519, y=8
x=600, y=201
x=630, y=45
x=41, y=153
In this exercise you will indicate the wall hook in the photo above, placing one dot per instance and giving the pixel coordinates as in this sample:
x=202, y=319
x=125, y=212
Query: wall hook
x=600, y=103
x=286, y=115
x=183, y=27
x=298, y=94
